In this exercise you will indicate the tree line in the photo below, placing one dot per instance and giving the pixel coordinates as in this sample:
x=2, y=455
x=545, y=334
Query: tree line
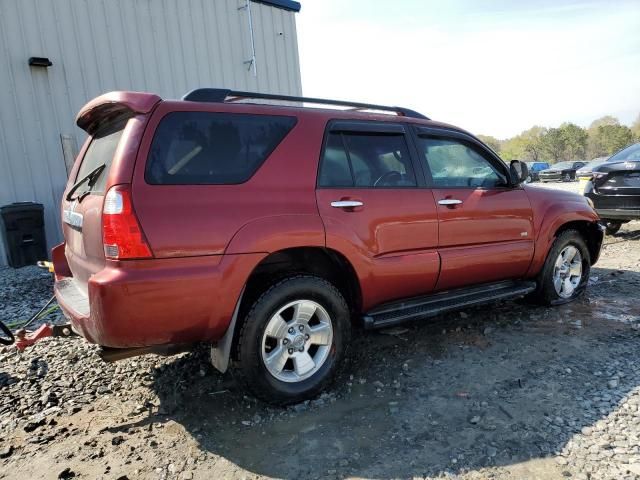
x=569, y=141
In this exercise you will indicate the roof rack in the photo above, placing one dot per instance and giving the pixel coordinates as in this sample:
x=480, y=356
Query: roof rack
x=219, y=95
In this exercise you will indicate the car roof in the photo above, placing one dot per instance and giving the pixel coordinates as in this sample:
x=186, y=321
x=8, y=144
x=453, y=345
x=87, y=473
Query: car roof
x=224, y=100
x=306, y=111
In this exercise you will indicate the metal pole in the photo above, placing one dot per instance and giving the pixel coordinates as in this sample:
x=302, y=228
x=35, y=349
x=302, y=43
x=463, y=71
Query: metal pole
x=252, y=60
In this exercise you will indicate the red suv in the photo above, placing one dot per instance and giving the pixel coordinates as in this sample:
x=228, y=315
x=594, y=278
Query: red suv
x=270, y=231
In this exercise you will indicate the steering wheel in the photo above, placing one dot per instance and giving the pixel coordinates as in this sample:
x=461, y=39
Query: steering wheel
x=8, y=339
x=384, y=176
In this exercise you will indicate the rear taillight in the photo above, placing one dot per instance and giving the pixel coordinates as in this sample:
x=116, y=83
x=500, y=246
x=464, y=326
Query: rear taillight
x=121, y=233
x=598, y=179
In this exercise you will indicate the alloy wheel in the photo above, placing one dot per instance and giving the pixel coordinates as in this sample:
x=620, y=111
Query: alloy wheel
x=567, y=271
x=297, y=341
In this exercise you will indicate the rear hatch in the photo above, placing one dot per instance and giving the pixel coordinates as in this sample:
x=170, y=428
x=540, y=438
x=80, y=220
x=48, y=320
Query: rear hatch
x=114, y=123
x=621, y=182
x=618, y=178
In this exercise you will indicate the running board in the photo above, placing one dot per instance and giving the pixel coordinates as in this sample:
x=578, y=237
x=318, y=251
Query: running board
x=437, y=303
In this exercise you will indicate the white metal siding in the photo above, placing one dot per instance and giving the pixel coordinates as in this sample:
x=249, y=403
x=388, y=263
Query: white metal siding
x=166, y=47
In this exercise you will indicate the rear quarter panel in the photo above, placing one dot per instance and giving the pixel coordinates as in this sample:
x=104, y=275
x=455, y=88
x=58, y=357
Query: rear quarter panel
x=275, y=205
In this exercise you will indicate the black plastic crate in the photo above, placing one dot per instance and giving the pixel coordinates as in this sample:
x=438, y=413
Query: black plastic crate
x=23, y=233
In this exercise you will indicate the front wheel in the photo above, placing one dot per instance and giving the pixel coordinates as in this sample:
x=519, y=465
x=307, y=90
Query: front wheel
x=565, y=273
x=293, y=340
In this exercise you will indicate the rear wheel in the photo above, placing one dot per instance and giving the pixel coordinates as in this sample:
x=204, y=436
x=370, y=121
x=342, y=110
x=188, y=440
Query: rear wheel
x=567, y=177
x=566, y=270
x=293, y=340
x=612, y=226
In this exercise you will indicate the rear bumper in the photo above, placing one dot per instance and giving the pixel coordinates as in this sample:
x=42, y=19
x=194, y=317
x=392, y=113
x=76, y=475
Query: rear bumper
x=618, y=213
x=156, y=302
x=615, y=207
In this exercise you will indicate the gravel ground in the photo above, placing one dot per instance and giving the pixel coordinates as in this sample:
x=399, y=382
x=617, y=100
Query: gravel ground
x=23, y=292
x=509, y=392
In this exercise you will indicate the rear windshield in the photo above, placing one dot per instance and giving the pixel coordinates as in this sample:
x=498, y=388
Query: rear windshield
x=101, y=151
x=204, y=148
x=631, y=153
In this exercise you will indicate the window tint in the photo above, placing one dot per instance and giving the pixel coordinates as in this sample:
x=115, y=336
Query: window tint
x=101, y=151
x=334, y=169
x=454, y=163
x=203, y=148
x=366, y=160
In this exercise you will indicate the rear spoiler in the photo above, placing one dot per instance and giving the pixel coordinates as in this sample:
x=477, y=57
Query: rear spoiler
x=112, y=105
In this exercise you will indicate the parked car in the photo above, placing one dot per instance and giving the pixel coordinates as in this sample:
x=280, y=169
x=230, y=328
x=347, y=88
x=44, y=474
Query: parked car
x=614, y=188
x=584, y=174
x=269, y=231
x=561, y=172
x=534, y=170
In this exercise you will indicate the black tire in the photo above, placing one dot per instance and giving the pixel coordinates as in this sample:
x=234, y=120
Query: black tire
x=253, y=372
x=612, y=226
x=546, y=293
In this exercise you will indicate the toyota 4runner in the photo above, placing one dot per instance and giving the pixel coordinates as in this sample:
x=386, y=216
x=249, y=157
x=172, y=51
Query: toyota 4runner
x=272, y=231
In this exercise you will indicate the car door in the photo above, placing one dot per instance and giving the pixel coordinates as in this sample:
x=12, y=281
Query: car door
x=375, y=210
x=485, y=226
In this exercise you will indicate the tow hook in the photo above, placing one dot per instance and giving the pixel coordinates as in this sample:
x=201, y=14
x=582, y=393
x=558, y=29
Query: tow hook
x=25, y=339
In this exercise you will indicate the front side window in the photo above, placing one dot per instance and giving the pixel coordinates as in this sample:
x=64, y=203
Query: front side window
x=366, y=160
x=456, y=163
x=205, y=148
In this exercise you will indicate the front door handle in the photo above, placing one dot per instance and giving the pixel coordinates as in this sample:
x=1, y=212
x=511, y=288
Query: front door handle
x=449, y=201
x=347, y=204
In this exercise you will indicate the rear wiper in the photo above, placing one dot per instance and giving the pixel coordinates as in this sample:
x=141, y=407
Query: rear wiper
x=90, y=179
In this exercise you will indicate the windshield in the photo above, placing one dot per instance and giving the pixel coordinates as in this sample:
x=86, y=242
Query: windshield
x=537, y=166
x=563, y=165
x=631, y=153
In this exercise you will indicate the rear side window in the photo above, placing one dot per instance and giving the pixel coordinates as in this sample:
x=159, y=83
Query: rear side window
x=204, y=148
x=101, y=151
x=366, y=160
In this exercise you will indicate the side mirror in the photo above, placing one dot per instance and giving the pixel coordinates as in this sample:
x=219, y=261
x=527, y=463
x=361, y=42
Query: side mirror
x=519, y=172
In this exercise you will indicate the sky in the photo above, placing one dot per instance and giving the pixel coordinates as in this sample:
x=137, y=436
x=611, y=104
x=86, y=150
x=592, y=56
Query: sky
x=491, y=67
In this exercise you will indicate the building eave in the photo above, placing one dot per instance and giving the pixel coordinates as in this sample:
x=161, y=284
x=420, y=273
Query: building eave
x=289, y=5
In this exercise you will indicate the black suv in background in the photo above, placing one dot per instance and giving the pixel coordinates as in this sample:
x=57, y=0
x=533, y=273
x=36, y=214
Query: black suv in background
x=614, y=188
x=561, y=172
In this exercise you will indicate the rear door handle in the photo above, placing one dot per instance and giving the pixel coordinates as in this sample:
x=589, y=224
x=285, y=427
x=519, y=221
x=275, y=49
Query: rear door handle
x=347, y=204
x=449, y=201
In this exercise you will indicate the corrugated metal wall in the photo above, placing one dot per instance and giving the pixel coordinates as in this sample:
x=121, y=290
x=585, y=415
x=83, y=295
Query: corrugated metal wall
x=163, y=46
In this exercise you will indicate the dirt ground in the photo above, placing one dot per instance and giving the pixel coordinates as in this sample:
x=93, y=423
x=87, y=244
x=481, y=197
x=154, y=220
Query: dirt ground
x=510, y=391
